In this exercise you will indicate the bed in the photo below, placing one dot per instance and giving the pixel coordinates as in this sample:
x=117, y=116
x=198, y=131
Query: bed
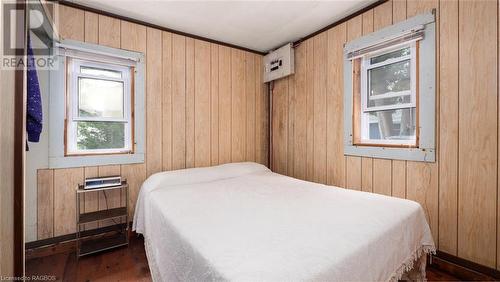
x=242, y=222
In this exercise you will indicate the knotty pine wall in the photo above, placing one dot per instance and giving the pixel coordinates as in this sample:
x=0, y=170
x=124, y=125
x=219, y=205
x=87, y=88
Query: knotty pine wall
x=460, y=191
x=205, y=105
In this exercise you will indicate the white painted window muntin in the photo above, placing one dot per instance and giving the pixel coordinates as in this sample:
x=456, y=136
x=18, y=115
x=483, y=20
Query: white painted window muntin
x=366, y=65
x=74, y=73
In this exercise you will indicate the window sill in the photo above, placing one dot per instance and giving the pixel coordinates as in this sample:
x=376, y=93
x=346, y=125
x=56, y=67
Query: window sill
x=94, y=160
x=393, y=153
x=386, y=145
x=110, y=153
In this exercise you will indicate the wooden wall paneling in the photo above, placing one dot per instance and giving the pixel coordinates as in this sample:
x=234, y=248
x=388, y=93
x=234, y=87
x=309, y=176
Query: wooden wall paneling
x=178, y=101
x=353, y=173
x=367, y=163
x=202, y=107
x=167, y=102
x=91, y=200
x=214, y=104
x=399, y=179
x=355, y=29
x=238, y=107
x=111, y=198
x=291, y=126
x=300, y=111
x=135, y=175
x=415, y=7
x=309, y=92
x=71, y=23
x=45, y=203
x=91, y=27
x=65, y=183
x=382, y=176
x=335, y=106
x=422, y=178
x=421, y=183
x=250, y=106
x=280, y=126
x=367, y=22
x=477, y=208
x=134, y=37
x=382, y=15
x=320, y=42
x=448, y=135
x=154, y=96
x=225, y=104
x=398, y=10
x=109, y=31
x=367, y=174
x=498, y=158
x=190, y=103
x=262, y=114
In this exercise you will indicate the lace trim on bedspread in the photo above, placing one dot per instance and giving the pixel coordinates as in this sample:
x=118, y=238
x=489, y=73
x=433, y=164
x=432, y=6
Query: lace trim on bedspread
x=409, y=264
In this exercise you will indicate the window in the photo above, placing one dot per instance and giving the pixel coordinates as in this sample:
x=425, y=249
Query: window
x=99, y=115
x=388, y=97
x=96, y=106
x=389, y=79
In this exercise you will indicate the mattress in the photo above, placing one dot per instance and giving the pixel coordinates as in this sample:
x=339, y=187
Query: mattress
x=242, y=222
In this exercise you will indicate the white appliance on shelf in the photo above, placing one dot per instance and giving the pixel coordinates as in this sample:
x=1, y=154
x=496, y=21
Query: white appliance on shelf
x=102, y=182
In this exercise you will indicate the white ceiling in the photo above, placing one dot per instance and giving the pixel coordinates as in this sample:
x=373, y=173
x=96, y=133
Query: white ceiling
x=257, y=25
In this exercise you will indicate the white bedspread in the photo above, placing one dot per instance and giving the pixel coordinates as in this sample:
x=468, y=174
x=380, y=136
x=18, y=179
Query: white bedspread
x=241, y=222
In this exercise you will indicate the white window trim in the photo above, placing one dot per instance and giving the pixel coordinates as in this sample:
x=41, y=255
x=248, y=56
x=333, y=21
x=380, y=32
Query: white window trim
x=73, y=76
x=58, y=106
x=424, y=28
x=365, y=110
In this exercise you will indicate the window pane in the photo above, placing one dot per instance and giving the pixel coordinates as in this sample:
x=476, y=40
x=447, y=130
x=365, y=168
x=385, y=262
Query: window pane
x=93, y=135
x=389, y=84
x=391, y=55
x=101, y=72
x=100, y=98
x=392, y=125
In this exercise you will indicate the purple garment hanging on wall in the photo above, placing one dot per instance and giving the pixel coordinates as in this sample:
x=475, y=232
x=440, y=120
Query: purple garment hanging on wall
x=34, y=113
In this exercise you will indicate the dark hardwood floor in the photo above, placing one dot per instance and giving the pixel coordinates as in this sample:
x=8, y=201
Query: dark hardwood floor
x=122, y=264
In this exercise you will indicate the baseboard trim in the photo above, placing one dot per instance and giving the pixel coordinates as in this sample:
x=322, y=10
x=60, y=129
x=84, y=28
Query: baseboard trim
x=464, y=269
x=65, y=243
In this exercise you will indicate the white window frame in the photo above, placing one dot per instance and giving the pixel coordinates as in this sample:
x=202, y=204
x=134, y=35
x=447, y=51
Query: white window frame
x=421, y=28
x=74, y=74
x=366, y=66
x=67, y=50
